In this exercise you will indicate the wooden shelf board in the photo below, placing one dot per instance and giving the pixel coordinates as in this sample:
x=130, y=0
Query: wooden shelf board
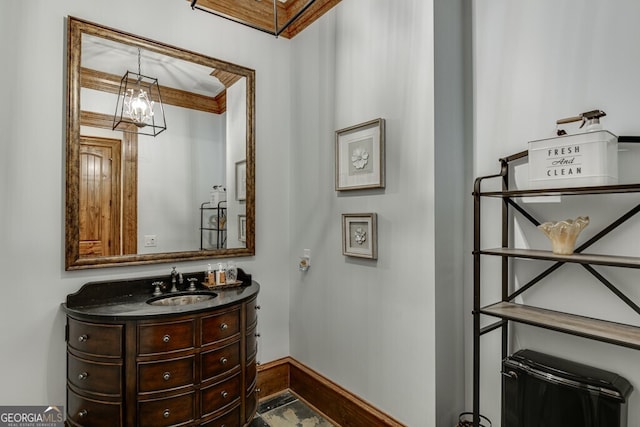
x=610, y=260
x=601, y=330
x=602, y=189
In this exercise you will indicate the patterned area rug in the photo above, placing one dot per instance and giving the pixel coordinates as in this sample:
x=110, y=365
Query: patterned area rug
x=294, y=414
x=286, y=410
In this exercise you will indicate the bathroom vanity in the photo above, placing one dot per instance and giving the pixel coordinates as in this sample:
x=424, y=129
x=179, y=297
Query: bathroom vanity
x=183, y=361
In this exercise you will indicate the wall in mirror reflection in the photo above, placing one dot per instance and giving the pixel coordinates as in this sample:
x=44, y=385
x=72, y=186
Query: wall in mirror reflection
x=177, y=170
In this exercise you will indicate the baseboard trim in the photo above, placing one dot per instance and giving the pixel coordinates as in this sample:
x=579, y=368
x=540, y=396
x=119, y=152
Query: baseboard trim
x=340, y=405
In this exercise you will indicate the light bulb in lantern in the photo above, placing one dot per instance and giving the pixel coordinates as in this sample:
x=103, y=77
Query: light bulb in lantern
x=138, y=107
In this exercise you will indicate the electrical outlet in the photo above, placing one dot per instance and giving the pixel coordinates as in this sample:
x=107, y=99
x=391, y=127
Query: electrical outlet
x=150, y=241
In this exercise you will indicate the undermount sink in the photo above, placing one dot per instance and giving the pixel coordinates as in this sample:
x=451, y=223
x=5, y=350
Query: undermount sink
x=182, y=298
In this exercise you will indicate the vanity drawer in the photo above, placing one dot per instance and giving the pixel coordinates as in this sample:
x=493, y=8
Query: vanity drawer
x=220, y=326
x=165, y=337
x=252, y=312
x=228, y=419
x=164, y=375
x=171, y=411
x=219, y=361
x=220, y=395
x=82, y=411
x=251, y=376
x=94, y=377
x=251, y=405
x=252, y=343
x=95, y=339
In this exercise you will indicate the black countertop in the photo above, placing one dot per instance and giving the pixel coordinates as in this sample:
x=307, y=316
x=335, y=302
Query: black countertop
x=123, y=300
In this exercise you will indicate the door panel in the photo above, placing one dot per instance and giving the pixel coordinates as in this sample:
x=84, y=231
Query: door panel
x=99, y=196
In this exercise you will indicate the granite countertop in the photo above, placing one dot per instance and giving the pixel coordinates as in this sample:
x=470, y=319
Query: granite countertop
x=123, y=300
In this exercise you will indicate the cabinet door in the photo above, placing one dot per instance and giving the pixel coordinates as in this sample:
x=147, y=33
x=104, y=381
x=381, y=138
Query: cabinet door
x=252, y=312
x=165, y=374
x=230, y=418
x=165, y=337
x=95, y=339
x=251, y=405
x=94, y=377
x=252, y=343
x=220, y=326
x=82, y=411
x=220, y=395
x=217, y=362
x=169, y=411
x=251, y=376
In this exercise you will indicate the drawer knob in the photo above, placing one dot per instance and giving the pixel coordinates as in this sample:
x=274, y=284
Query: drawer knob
x=166, y=376
x=166, y=338
x=223, y=360
x=258, y=307
x=83, y=376
x=83, y=338
x=224, y=394
x=166, y=413
x=224, y=326
x=257, y=390
x=83, y=413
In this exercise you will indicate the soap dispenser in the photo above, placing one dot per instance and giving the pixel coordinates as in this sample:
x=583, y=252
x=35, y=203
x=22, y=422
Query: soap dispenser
x=209, y=278
x=221, y=275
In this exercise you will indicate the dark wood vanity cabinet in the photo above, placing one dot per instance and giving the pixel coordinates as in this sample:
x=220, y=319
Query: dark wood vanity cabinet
x=187, y=370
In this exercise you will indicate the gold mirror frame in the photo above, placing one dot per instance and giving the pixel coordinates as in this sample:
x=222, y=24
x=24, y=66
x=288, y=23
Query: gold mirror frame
x=75, y=29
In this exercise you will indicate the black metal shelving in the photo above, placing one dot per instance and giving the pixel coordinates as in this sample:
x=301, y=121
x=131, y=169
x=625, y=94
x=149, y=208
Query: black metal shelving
x=220, y=228
x=506, y=310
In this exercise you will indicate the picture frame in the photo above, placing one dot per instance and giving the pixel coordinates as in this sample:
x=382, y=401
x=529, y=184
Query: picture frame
x=242, y=228
x=241, y=180
x=360, y=235
x=360, y=156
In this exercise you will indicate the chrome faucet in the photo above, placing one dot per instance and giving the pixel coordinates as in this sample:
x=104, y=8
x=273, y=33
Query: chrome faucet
x=157, y=288
x=174, y=276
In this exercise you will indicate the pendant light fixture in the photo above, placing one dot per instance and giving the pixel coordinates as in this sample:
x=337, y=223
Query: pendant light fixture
x=139, y=104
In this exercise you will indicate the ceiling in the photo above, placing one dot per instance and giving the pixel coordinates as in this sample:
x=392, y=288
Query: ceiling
x=185, y=83
x=259, y=14
x=182, y=83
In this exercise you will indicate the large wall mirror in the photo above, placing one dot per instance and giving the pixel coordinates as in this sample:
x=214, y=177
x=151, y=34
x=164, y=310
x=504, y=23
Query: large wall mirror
x=186, y=193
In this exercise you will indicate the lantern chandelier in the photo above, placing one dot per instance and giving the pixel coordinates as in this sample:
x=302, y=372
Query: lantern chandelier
x=139, y=104
x=276, y=31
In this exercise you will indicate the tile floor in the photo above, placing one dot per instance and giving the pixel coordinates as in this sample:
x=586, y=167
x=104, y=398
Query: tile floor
x=286, y=410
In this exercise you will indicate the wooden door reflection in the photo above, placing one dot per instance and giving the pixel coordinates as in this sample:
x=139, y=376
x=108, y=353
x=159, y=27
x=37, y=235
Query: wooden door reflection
x=99, y=196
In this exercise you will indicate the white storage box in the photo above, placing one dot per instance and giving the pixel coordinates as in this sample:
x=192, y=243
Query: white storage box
x=218, y=195
x=579, y=160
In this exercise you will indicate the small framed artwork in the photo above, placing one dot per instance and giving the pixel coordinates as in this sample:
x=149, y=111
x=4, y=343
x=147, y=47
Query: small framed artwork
x=360, y=156
x=359, y=235
x=242, y=228
x=241, y=180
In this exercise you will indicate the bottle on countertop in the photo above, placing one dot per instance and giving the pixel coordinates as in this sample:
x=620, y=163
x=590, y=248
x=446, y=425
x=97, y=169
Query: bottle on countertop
x=210, y=278
x=232, y=272
x=221, y=275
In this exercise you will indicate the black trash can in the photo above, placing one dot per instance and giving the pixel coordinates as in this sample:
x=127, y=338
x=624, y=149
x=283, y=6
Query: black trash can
x=540, y=390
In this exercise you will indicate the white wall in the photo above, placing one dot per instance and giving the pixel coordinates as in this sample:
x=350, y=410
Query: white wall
x=34, y=283
x=173, y=178
x=236, y=152
x=168, y=165
x=371, y=325
x=535, y=62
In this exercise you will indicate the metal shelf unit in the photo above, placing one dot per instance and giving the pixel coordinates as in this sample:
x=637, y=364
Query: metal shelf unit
x=508, y=311
x=220, y=228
